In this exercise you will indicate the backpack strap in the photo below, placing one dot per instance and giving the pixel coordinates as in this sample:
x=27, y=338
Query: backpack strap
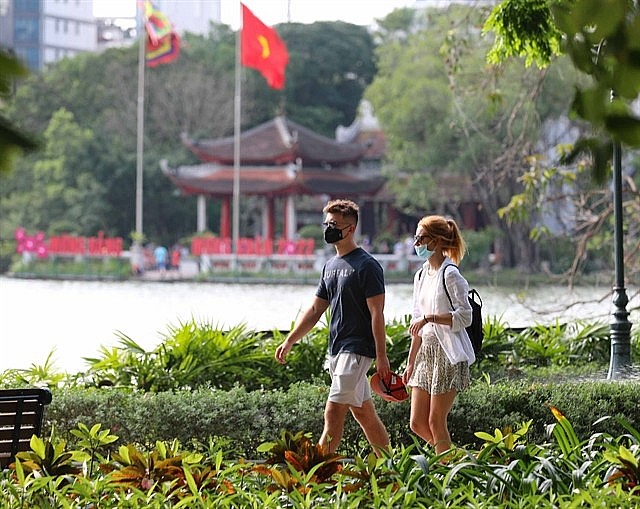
x=445, y=284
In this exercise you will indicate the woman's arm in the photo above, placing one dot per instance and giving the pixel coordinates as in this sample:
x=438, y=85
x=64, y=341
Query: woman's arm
x=458, y=288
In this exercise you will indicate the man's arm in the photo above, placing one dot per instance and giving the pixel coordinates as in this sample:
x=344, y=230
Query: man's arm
x=376, y=308
x=303, y=325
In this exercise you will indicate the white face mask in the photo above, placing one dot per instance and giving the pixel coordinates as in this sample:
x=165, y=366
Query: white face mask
x=423, y=252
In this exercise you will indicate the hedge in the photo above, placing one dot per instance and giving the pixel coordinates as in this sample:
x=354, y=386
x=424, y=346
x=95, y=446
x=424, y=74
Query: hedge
x=245, y=419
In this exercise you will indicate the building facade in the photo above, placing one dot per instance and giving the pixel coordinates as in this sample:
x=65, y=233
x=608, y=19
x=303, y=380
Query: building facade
x=41, y=32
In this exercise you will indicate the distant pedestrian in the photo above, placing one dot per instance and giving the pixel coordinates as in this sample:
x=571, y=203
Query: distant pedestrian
x=175, y=257
x=160, y=254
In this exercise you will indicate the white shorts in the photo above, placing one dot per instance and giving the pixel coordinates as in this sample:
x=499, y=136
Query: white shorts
x=349, y=383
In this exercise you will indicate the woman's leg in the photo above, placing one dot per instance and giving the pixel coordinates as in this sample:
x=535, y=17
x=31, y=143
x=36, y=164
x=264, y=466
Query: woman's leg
x=420, y=410
x=439, y=411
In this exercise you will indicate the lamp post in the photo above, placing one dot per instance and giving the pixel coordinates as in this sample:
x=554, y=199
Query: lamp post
x=620, y=326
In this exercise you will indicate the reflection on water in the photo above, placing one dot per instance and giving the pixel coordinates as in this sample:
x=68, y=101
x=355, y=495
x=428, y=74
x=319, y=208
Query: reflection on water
x=77, y=317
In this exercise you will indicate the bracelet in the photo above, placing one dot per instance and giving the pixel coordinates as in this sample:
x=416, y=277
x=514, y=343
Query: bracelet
x=426, y=320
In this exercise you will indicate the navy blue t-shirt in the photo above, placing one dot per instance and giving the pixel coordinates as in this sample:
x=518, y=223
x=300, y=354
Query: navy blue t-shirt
x=347, y=282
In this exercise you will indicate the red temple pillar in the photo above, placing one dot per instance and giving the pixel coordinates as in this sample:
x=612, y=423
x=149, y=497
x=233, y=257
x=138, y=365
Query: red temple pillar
x=225, y=218
x=270, y=219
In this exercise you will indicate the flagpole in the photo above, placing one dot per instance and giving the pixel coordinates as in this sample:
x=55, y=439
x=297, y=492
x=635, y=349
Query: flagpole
x=140, y=122
x=236, y=146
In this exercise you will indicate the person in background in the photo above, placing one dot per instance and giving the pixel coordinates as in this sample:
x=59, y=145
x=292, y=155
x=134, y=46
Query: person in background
x=160, y=255
x=176, y=253
x=441, y=351
x=352, y=283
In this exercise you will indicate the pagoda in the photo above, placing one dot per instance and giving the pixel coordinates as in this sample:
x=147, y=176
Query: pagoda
x=281, y=160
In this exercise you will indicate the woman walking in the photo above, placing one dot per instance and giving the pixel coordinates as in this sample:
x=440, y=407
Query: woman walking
x=440, y=352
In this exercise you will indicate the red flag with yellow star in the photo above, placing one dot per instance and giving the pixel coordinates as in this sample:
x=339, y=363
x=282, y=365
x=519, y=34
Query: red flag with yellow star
x=263, y=50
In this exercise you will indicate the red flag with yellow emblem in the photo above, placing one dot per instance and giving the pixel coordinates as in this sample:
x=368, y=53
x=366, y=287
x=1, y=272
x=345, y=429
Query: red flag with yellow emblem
x=263, y=50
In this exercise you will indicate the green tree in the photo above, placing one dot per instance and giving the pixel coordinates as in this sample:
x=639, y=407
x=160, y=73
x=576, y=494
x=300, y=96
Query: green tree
x=58, y=192
x=330, y=65
x=601, y=40
x=12, y=140
x=193, y=96
x=457, y=129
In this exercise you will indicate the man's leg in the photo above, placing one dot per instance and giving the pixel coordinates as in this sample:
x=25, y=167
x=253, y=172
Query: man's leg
x=334, y=415
x=372, y=426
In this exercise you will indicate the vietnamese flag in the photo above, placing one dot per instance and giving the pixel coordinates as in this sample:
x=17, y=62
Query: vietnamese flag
x=262, y=49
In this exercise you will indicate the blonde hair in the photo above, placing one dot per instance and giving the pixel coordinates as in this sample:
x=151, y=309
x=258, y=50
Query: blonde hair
x=446, y=231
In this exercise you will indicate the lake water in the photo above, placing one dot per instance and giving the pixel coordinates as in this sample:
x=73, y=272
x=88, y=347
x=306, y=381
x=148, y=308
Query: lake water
x=77, y=317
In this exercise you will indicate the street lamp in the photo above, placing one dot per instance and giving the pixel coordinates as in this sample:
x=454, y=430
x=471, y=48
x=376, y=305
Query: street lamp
x=620, y=326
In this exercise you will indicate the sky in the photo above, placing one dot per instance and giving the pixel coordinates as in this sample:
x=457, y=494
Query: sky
x=271, y=12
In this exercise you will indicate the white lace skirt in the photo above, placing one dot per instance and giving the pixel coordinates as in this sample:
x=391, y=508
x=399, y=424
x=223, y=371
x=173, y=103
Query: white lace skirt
x=434, y=373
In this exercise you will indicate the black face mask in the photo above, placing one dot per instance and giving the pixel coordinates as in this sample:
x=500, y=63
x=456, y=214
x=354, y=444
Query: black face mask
x=332, y=234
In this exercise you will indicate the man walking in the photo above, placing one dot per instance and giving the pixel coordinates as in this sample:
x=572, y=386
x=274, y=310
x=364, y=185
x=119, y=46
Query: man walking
x=352, y=283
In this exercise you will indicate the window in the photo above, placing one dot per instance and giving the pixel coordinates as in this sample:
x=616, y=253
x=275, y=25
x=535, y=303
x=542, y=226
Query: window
x=26, y=30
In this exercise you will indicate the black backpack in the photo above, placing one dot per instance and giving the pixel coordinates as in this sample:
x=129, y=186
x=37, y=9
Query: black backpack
x=476, y=335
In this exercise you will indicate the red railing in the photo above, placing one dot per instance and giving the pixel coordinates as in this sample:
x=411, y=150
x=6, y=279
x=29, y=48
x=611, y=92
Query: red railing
x=67, y=245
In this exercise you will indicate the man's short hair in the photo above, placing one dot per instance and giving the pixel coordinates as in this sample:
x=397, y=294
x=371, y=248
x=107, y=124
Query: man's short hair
x=346, y=208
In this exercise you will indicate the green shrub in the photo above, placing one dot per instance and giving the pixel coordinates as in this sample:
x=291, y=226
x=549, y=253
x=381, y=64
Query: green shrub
x=312, y=231
x=509, y=403
x=564, y=346
x=55, y=266
x=478, y=247
x=198, y=354
x=194, y=355
x=507, y=470
x=247, y=418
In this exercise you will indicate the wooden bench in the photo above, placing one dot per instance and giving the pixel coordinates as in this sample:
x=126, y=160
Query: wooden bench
x=21, y=412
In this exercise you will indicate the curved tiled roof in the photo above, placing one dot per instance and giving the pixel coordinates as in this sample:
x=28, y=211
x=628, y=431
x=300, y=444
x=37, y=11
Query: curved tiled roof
x=276, y=142
x=218, y=180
